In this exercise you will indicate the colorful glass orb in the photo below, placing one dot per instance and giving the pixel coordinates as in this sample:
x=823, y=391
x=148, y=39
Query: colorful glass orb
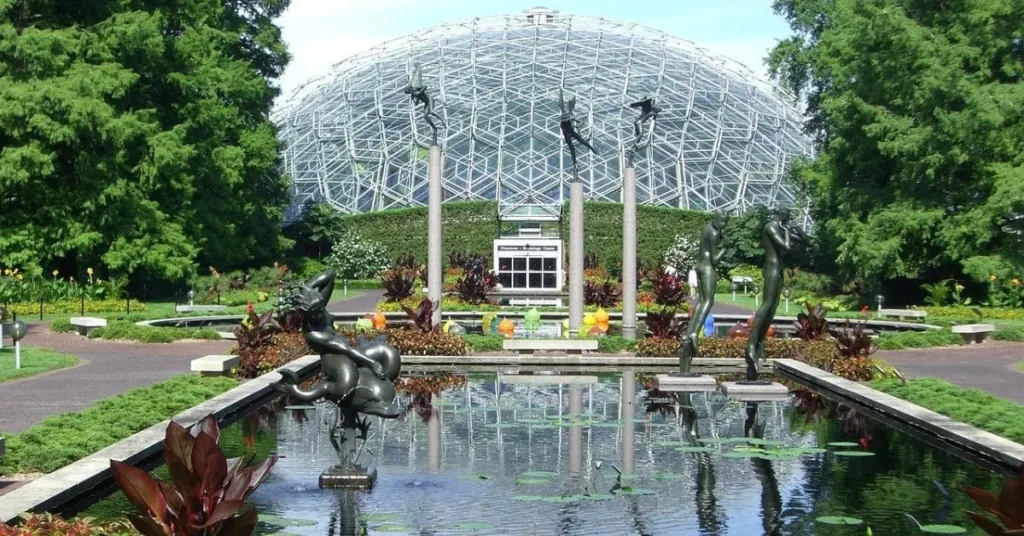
x=487, y=320
x=457, y=329
x=379, y=320
x=364, y=324
x=506, y=328
x=565, y=328
x=531, y=320
x=447, y=326
x=589, y=320
x=601, y=316
x=602, y=327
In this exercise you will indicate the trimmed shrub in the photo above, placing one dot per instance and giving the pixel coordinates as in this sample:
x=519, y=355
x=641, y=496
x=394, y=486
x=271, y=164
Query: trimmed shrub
x=148, y=334
x=1008, y=334
x=484, y=343
x=975, y=313
x=919, y=339
x=614, y=344
x=812, y=352
x=62, y=325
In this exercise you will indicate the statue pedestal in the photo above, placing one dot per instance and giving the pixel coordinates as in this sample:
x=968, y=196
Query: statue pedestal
x=350, y=477
x=755, y=391
x=686, y=383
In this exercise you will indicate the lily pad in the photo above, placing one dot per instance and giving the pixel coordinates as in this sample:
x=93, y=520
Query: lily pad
x=539, y=474
x=766, y=442
x=392, y=527
x=381, y=517
x=695, y=449
x=852, y=453
x=810, y=450
x=742, y=454
x=839, y=520
x=596, y=497
x=843, y=444
x=284, y=522
x=531, y=481
x=563, y=499
x=666, y=476
x=474, y=477
x=634, y=491
x=943, y=529
x=722, y=440
x=527, y=498
x=470, y=525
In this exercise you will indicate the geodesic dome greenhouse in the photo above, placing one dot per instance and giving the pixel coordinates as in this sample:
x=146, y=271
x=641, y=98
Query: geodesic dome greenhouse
x=722, y=141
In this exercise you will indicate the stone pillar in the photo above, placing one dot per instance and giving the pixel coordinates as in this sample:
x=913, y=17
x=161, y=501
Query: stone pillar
x=575, y=257
x=629, y=254
x=575, y=431
x=627, y=414
x=434, y=442
x=435, y=194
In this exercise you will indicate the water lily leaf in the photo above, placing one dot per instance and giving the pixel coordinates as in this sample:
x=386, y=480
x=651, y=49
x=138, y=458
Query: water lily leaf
x=474, y=477
x=539, y=474
x=389, y=527
x=563, y=499
x=843, y=444
x=747, y=448
x=278, y=521
x=695, y=449
x=634, y=491
x=943, y=529
x=852, y=453
x=810, y=450
x=527, y=498
x=597, y=497
x=722, y=440
x=742, y=454
x=667, y=476
x=531, y=481
x=470, y=525
x=839, y=520
x=380, y=517
x=764, y=442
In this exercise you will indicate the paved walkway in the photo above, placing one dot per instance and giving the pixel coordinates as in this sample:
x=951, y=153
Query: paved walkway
x=366, y=302
x=990, y=367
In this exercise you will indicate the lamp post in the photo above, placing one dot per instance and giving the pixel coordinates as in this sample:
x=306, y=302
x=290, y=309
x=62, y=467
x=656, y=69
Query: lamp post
x=18, y=330
x=191, y=297
x=880, y=300
x=786, y=292
x=757, y=296
x=734, y=287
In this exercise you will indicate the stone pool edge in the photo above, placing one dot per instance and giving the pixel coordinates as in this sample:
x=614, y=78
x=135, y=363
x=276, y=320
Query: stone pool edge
x=1003, y=452
x=54, y=490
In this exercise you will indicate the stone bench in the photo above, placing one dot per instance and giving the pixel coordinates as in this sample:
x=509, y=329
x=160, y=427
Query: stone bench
x=198, y=308
x=571, y=346
x=974, y=333
x=903, y=313
x=83, y=324
x=214, y=365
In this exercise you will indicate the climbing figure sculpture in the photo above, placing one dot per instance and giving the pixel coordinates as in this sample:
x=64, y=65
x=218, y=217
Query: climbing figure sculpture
x=648, y=112
x=709, y=257
x=776, y=239
x=417, y=90
x=571, y=130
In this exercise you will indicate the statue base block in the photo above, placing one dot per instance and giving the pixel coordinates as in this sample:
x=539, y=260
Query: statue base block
x=755, y=392
x=685, y=383
x=353, y=477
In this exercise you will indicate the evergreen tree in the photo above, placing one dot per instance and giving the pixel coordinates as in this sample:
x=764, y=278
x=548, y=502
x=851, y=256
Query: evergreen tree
x=917, y=109
x=135, y=134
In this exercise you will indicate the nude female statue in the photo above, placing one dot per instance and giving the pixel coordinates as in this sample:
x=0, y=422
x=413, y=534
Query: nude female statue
x=776, y=239
x=708, y=257
x=360, y=378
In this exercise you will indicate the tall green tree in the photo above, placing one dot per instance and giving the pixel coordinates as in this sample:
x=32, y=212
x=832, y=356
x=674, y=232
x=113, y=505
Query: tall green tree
x=918, y=110
x=134, y=134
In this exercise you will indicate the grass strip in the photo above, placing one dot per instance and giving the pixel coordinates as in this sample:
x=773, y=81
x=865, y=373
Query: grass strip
x=919, y=339
x=33, y=361
x=62, y=439
x=972, y=406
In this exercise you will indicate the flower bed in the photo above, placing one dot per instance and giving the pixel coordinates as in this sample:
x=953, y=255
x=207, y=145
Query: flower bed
x=74, y=307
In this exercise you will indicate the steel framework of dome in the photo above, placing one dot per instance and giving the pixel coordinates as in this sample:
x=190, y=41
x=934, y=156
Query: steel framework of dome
x=722, y=141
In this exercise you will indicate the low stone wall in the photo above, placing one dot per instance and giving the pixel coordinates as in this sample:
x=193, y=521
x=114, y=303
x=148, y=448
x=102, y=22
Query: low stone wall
x=963, y=439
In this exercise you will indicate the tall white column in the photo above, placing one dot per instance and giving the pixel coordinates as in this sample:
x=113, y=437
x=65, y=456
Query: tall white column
x=434, y=199
x=629, y=254
x=627, y=413
x=575, y=431
x=575, y=256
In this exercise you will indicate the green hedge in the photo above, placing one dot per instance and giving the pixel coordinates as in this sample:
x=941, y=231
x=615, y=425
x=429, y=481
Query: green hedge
x=151, y=334
x=972, y=406
x=971, y=313
x=471, y=226
x=74, y=307
x=918, y=339
x=1009, y=334
x=63, y=439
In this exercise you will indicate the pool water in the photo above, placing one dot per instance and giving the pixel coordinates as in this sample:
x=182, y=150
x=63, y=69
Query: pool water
x=586, y=455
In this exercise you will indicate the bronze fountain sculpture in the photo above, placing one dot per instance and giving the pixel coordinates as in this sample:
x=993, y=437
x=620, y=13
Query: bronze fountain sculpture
x=648, y=112
x=708, y=258
x=417, y=90
x=571, y=130
x=358, y=380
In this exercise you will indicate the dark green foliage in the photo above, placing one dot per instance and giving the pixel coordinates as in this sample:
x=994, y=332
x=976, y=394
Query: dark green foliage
x=916, y=108
x=604, y=295
x=398, y=283
x=62, y=439
x=918, y=339
x=62, y=325
x=972, y=406
x=471, y=226
x=128, y=331
x=136, y=139
x=474, y=286
x=1008, y=334
x=484, y=343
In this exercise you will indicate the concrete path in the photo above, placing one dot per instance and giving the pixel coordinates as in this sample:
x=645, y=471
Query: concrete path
x=366, y=302
x=105, y=369
x=990, y=367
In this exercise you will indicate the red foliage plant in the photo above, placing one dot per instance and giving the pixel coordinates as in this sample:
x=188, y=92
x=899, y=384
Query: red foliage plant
x=1008, y=507
x=207, y=489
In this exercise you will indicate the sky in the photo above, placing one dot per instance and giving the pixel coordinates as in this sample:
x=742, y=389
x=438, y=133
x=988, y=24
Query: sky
x=320, y=33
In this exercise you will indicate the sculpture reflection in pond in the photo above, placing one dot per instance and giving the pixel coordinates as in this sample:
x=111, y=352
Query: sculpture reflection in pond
x=771, y=499
x=358, y=380
x=707, y=504
x=777, y=239
x=708, y=258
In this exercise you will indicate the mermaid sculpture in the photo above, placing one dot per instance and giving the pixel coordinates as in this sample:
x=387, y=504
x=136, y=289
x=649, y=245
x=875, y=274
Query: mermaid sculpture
x=358, y=379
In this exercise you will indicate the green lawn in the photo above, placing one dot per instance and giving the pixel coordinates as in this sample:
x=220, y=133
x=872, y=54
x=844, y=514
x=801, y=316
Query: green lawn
x=33, y=361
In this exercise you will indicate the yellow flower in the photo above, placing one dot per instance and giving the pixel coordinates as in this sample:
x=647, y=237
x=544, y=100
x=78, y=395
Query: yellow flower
x=7, y=271
x=992, y=277
x=55, y=273
x=88, y=271
x=1015, y=282
x=19, y=277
